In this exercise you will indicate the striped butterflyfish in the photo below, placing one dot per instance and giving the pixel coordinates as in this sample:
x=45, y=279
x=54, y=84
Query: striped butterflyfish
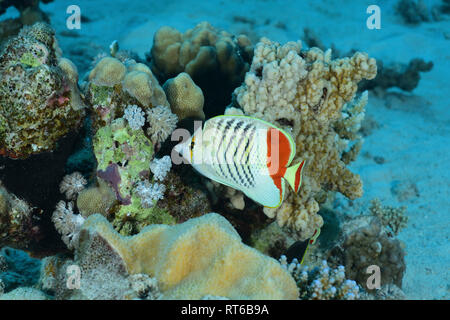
x=247, y=154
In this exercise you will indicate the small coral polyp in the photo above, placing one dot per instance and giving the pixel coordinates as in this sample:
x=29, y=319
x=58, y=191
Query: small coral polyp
x=39, y=98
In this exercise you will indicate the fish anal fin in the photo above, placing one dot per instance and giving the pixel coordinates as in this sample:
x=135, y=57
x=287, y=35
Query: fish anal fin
x=293, y=175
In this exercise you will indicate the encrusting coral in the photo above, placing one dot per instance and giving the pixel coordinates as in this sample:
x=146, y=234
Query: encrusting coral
x=39, y=98
x=184, y=96
x=29, y=13
x=203, y=256
x=214, y=59
x=305, y=92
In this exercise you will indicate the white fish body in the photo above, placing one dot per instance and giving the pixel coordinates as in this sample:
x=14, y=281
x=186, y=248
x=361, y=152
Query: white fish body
x=247, y=154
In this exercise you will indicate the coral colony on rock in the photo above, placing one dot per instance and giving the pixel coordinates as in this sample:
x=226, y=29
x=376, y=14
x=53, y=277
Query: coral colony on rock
x=238, y=158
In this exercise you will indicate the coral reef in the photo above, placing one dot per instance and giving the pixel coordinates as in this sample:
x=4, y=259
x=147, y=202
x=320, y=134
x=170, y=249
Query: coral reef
x=134, y=116
x=29, y=13
x=366, y=242
x=214, y=59
x=403, y=76
x=322, y=283
x=185, y=97
x=16, y=221
x=305, y=92
x=394, y=219
x=113, y=85
x=39, y=98
x=203, y=256
x=124, y=156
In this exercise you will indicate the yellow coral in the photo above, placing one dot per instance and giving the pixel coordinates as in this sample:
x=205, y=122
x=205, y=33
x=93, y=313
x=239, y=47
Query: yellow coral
x=304, y=92
x=203, y=256
x=98, y=199
x=108, y=72
x=185, y=97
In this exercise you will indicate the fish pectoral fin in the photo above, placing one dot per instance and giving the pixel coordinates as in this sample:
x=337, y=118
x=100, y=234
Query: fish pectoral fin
x=293, y=175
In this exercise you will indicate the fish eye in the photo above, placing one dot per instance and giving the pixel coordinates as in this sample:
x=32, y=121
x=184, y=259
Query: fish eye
x=192, y=147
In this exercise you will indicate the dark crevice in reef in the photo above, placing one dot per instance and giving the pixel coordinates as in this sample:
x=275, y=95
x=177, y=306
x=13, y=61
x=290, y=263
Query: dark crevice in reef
x=36, y=180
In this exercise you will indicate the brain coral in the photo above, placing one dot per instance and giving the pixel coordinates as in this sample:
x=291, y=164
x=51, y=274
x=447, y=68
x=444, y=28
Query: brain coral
x=203, y=256
x=305, y=93
x=39, y=98
x=215, y=60
x=185, y=97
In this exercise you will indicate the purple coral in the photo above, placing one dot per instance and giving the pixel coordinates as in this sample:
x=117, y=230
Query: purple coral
x=112, y=175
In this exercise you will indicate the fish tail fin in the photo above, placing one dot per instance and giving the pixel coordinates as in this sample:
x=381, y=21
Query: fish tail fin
x=293, y=175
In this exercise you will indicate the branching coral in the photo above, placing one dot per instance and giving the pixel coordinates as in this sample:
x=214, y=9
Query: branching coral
x=323, y=283
x=203, y=256
x=39, y=100
x=305, y=92
x=394, y=219
x=150, y=193
x=403, y=76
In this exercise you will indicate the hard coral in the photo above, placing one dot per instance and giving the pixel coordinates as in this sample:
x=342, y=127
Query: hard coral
x=185, y=97
x=323, y=283
x=114, y=84
x=203, y=256
x=39, y=100
x=366, y=243
x=214, y=59
x=16, y=224
x=304, y=92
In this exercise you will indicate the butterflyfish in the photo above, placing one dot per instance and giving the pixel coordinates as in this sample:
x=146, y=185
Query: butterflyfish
x=247, y=154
